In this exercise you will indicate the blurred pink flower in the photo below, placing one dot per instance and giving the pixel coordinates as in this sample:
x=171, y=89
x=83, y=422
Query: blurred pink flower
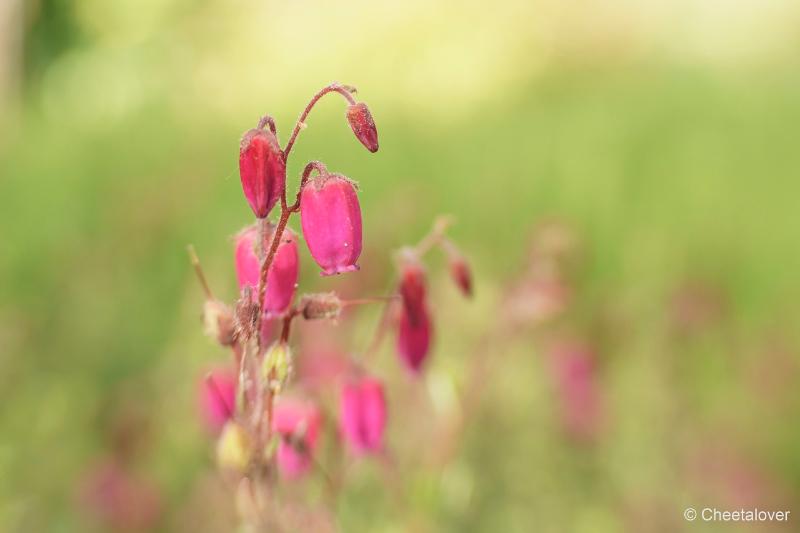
x=217, y=398
x=362, y=414
x=111, y=495
x=282, y=275
x=298, y=424
x=575, y=376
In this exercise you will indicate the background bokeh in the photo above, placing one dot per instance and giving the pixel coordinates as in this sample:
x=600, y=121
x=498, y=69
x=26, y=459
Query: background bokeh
x=661, y=135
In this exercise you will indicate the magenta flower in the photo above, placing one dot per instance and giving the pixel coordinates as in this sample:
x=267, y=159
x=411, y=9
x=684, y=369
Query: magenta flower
x=362, y=412
x=217, y=398
x=331, y=220
x=414, y=338
x=576, y=383
x=282, y=275
x=363, y=125
x=298, y=425
x=413, y=290
x=262, y=170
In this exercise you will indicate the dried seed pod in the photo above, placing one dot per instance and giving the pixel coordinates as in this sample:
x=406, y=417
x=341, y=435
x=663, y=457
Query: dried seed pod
x=325, y=305
x=218, y=322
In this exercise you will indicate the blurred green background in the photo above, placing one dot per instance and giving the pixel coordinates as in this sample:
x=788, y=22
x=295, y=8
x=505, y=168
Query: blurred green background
x=664, y=134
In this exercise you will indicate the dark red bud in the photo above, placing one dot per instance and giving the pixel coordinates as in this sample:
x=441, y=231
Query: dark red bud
x=461, y=274
x=414, y=338
x=363, y=126
x=412, y=290
x=262, y=170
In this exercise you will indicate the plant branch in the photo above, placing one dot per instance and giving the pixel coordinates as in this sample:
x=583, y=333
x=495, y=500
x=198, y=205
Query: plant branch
x=344, y=90
x=199, y=271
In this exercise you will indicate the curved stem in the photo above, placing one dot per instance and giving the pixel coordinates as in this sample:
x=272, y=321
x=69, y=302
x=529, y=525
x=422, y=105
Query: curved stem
x=313, y=165
x=267, y=120
x=344, y=90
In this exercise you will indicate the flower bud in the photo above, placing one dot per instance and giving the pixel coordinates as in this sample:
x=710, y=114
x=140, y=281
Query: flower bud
x=233, y=448
x=363, y=126
x=331, y=218
x=412, y=289
x=298, y=425
x=262, y=170
x=577, y=385
x=362, y=412
x=218, y=322
x=461, y=273
x=414, y=338
x=217, y=398
x=324, y=305
x=277, y=366
x=283, y=272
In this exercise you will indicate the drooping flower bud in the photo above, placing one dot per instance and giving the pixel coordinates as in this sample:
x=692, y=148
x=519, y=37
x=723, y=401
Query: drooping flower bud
x=413, y=288
x=362, y=414
x=233, y=448
x=283, y=272
x=462, y=275
x=414, y=338
x=460, y=271
x=363, y=125
x=217, y=398
x=298, y=426
x=262, y=170
x=277, y=366
x=331, y=218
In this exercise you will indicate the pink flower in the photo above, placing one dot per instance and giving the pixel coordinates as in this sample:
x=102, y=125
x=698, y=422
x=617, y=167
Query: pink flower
x=298, y=425
x=413, y=290
x=576, y=381
x=414, y=338
x=282, y=275
x=363, y=125
x=262, y=170
x=217, y=398
x=112, y=495
x=362, y=411
x=331, y=218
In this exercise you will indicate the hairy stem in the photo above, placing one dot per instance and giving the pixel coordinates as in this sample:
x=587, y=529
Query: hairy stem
x=333, y=87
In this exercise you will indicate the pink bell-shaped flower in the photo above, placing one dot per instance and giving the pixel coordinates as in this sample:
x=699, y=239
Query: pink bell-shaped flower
x=576, y=380
x=331, y=218
x=362, y=414
x=414, y=338
x=262, y=170
x=217, y=398
x=298, y=425
x=282, y=275
x=413, y=288
x=362, y=124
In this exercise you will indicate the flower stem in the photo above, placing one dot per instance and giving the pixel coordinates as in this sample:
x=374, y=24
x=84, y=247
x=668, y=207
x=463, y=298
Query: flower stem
x=344, y=90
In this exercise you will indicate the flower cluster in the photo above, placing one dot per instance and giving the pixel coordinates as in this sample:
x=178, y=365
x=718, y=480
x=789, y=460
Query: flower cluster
x=266, y=430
